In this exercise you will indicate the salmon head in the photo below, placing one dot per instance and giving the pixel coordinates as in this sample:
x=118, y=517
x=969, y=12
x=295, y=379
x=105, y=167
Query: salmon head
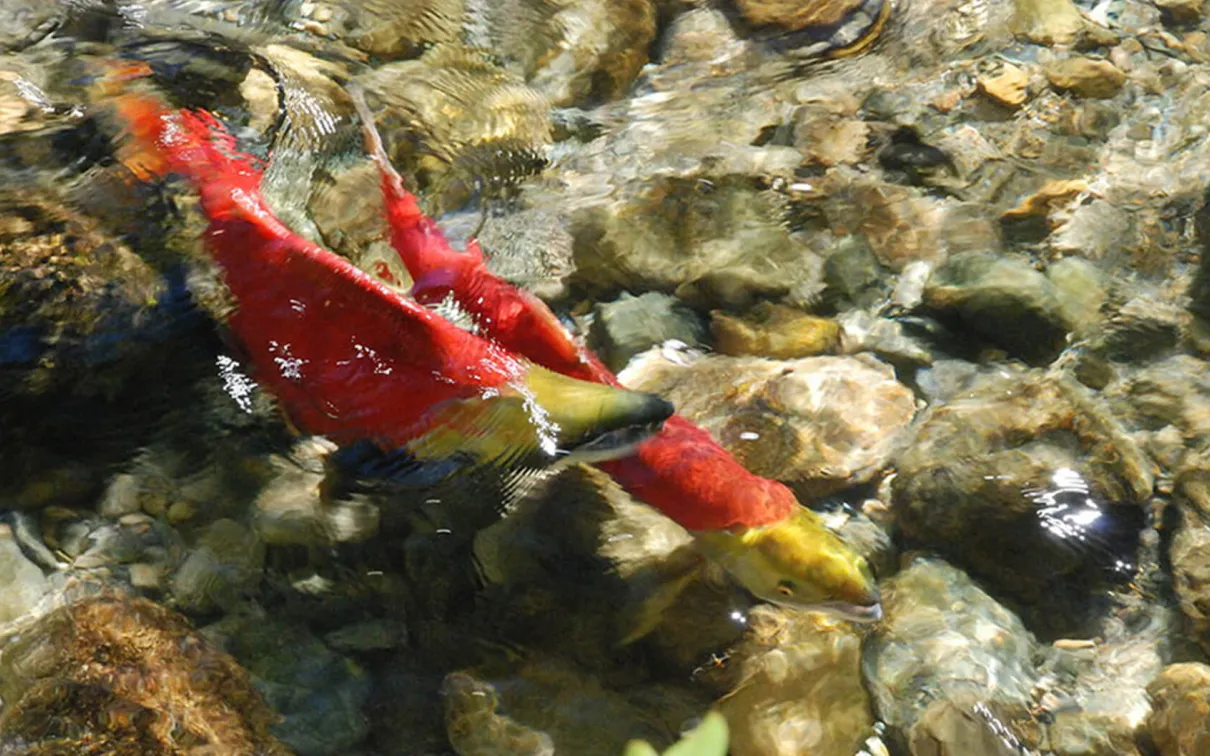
x=799, y=562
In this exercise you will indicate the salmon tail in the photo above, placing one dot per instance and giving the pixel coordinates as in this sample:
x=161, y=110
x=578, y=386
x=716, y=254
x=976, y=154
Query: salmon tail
x=420, y=243
x=156, y=140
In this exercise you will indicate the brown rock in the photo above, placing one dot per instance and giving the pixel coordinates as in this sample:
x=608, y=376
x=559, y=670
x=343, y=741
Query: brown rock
x=798, y=687
x=1052, y=194
x=1007, y=87
x=1181, y=710
x=832, y=141
x=797, y=14
x=1085, y=77
x=1183, y=11
x=1048, y=22
x=776, y=331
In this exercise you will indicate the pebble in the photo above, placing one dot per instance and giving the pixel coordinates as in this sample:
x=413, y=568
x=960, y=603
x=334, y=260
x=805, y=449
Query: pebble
x=1009, y=87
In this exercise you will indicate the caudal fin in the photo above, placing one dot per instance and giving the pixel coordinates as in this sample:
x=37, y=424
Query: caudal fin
x=156, y=140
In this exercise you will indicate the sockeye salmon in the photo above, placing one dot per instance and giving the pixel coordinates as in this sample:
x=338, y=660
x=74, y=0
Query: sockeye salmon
x=347, y=357
x=751, y=526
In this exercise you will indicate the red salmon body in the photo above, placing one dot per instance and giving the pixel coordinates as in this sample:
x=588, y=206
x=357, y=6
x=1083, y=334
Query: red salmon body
x=682, y=470
x=346, y=356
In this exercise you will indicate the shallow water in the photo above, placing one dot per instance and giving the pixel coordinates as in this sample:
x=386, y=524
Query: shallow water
x=937, y=267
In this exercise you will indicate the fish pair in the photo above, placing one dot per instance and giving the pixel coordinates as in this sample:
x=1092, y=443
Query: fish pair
x=348, y=357
x=751, y=526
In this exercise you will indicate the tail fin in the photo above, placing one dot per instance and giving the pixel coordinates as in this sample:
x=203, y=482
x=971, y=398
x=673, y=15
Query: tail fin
x=156, y=140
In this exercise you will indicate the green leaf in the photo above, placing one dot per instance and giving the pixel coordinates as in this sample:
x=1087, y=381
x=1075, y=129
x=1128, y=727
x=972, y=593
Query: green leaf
x=709, y=738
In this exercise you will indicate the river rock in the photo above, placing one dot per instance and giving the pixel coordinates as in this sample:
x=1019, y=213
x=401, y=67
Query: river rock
x=948, y=666
x=24, y=582
x=471, y=127
x=223, y=567
x=573, y=51
x=1084, y=77
x=775, y=331
x=1002, y=299
x=630, y=325
x=818, y=424
x=1180, y=705
x=545, y=705
x=320, y=694
x=624, y=554
x=796, y=684
x=1013, y=474
x=723, y=246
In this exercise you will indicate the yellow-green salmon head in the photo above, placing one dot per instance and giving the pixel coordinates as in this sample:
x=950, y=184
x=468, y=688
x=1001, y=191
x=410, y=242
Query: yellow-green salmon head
x=798, y=562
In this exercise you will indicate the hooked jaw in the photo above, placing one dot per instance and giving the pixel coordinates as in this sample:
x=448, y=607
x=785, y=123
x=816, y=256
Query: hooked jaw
x=798, y=562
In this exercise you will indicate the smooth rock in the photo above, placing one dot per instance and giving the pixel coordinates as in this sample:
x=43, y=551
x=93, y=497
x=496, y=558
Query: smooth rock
x=121, y=497
x=1085, y=77
x=630, y=325
x=1180, y=698
x=817, y=424
x=797, y=687
x=774, y=331
x=1048, y=22
x=943, y=639
x=1013, y=474
x=1001, y=299
x=221, y=569
x=23, y=581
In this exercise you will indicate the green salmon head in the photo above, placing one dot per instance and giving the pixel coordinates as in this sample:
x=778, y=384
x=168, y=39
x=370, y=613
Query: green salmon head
x=798, y=562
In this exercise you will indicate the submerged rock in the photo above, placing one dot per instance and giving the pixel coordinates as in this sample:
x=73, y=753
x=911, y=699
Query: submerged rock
x=774, y=331
x=949, y=668
x=573, y=51
x=112, y=675
x=471, y=127
x=715, y=240
x=1002, y=299
x=818, y=424
x=223, y=567
x=543, y=705
x=23, y=581
x=1027, y=480
x=796, y=686
x=320, y=694
x=624, y=555
x=1181, y=700
x=630, y=325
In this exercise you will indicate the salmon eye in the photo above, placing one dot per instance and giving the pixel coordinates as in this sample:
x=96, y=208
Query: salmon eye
x=786, y=588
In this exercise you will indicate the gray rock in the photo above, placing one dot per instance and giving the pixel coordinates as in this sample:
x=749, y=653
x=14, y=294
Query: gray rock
x=222, y=568
x=976, y=659
x=630, y=325
x=121, y=497
x=1027, y=480
x=23, y=581
x=1003, y=300
x=319, y=693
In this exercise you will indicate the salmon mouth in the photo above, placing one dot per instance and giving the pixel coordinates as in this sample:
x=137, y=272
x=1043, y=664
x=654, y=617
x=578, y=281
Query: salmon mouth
x=861, y=613
x=610, y=445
